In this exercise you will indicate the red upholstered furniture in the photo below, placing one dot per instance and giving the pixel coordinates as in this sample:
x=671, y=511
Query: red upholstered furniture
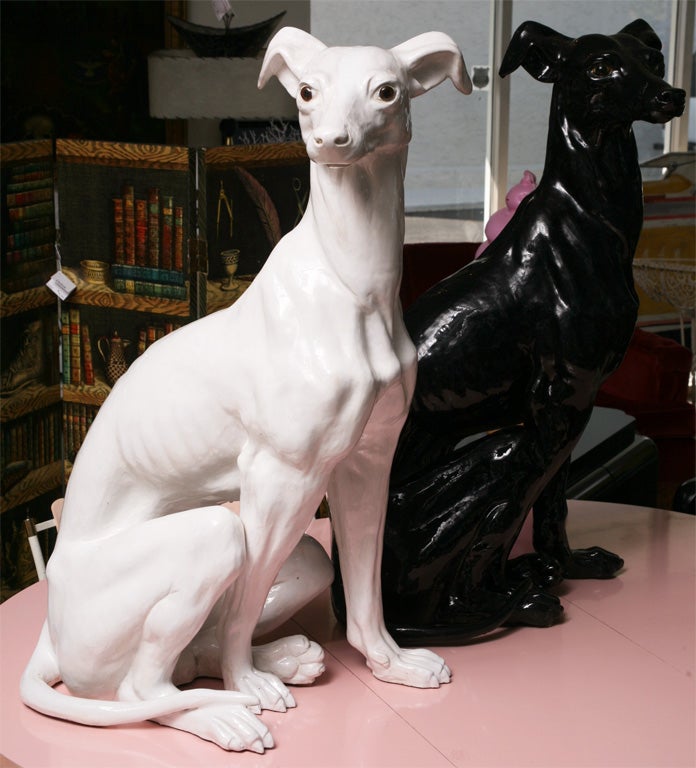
x=651, y=384
x=425, y=264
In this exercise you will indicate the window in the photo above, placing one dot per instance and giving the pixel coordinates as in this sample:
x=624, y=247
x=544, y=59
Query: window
x=445, y=180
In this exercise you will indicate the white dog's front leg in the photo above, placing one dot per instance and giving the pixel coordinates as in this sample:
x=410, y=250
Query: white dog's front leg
x=358, y=498
x=276, y=506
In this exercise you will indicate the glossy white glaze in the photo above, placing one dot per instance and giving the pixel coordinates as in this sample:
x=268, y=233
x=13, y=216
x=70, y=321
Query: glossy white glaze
x=299, y=388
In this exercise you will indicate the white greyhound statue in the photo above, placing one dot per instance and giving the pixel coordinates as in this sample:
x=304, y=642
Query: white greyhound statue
x=298, y=389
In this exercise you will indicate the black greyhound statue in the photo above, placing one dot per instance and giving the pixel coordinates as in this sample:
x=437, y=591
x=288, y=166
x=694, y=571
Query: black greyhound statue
x=514, y=347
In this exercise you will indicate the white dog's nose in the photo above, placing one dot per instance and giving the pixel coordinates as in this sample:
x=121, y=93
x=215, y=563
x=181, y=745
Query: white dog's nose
x=331, y=138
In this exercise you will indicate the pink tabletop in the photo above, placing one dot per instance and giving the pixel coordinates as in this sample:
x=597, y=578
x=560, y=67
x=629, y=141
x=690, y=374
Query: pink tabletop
x=613, y=685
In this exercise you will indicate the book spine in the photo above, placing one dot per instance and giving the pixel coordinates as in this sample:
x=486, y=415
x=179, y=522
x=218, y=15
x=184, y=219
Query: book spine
x=141, y=235
x=119, y=243
x=50, y=438
x=91, y=413
x=167, y=232
x=153, y=227
x=41, y=445
x=75, y=428
x=83, y=424
x=24, y=438
x=129, y=224
x=147, y=274
x=142, y=341
x=29, y=225
x=65, y=339
x=75, y=347
x=32, y=237
x=157, y=290
x=66, y=422
x=13, y=450
x=39, y=438
x=178, y=238
x=37, y=427
x=30, y=211
x=29, y=174
x=25, y=283
x=87, y=356
x=29, y=197
x=28, y=254
x=14, y=187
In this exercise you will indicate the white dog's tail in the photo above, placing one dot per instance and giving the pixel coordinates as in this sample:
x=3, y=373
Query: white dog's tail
x=42, y=673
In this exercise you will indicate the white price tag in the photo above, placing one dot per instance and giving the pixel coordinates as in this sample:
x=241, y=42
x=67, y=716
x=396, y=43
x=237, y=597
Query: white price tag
x=61, y=285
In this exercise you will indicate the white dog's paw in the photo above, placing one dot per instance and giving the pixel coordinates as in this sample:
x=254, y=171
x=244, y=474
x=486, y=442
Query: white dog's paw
x=295, y=660
x=267, y=688
x=230, y=726
x=416, y=667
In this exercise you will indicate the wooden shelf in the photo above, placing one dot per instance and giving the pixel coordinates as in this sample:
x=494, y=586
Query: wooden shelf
x=86, y=394
x=28, y=399
x=35, y=484
x=90, y=294
x=22, y=301
x=219, y=298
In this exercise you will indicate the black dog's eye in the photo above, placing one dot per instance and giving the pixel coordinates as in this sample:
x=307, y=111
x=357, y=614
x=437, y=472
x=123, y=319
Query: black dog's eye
x=306, y=93
x=600, y=69
x=387, y=93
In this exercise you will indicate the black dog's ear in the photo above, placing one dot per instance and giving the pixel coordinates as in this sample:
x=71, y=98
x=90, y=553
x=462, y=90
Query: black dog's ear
x=537, y=48
x=644, y=32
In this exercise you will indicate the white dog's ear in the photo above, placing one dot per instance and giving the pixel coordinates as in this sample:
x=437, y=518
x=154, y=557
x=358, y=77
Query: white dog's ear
x=429, y=59
x=287, y=55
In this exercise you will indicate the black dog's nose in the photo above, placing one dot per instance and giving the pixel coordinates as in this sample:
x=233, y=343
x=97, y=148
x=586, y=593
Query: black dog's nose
x=675, y=97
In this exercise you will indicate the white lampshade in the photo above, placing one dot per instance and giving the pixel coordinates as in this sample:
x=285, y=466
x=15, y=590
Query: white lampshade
x=185, y=86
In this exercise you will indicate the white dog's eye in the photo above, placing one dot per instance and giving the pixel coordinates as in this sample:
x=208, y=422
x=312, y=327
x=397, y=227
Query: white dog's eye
x=386, y=93
x=306, y=93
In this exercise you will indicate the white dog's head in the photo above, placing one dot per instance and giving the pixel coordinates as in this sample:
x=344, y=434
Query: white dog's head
x=355, y=100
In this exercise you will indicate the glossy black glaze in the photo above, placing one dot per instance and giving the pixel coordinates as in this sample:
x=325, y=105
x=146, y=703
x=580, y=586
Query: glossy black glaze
x=516, y=345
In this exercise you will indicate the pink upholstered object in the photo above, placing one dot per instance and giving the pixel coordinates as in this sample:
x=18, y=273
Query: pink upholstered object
x=500, y=218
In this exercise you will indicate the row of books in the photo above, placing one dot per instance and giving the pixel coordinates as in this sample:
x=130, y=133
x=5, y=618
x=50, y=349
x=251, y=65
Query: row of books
x=148, y=229
x=35, y=438
x=78, y=362
x=149, y=281
x=152, y=332
x=77, y=419
x=29, y=229
x=78, y=345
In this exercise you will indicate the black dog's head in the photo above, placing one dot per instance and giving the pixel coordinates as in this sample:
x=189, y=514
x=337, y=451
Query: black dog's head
x=604, y=78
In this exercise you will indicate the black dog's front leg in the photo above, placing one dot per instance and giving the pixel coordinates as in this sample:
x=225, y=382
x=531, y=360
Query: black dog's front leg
x=551, y=538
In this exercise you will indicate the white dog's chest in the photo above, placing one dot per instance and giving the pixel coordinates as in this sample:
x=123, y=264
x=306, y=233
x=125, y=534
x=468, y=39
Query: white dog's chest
x=314, y=393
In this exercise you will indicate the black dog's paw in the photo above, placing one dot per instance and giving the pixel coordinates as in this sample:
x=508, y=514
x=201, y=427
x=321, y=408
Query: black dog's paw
x=542, y=570
x=536, y=609
x=592, y=563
